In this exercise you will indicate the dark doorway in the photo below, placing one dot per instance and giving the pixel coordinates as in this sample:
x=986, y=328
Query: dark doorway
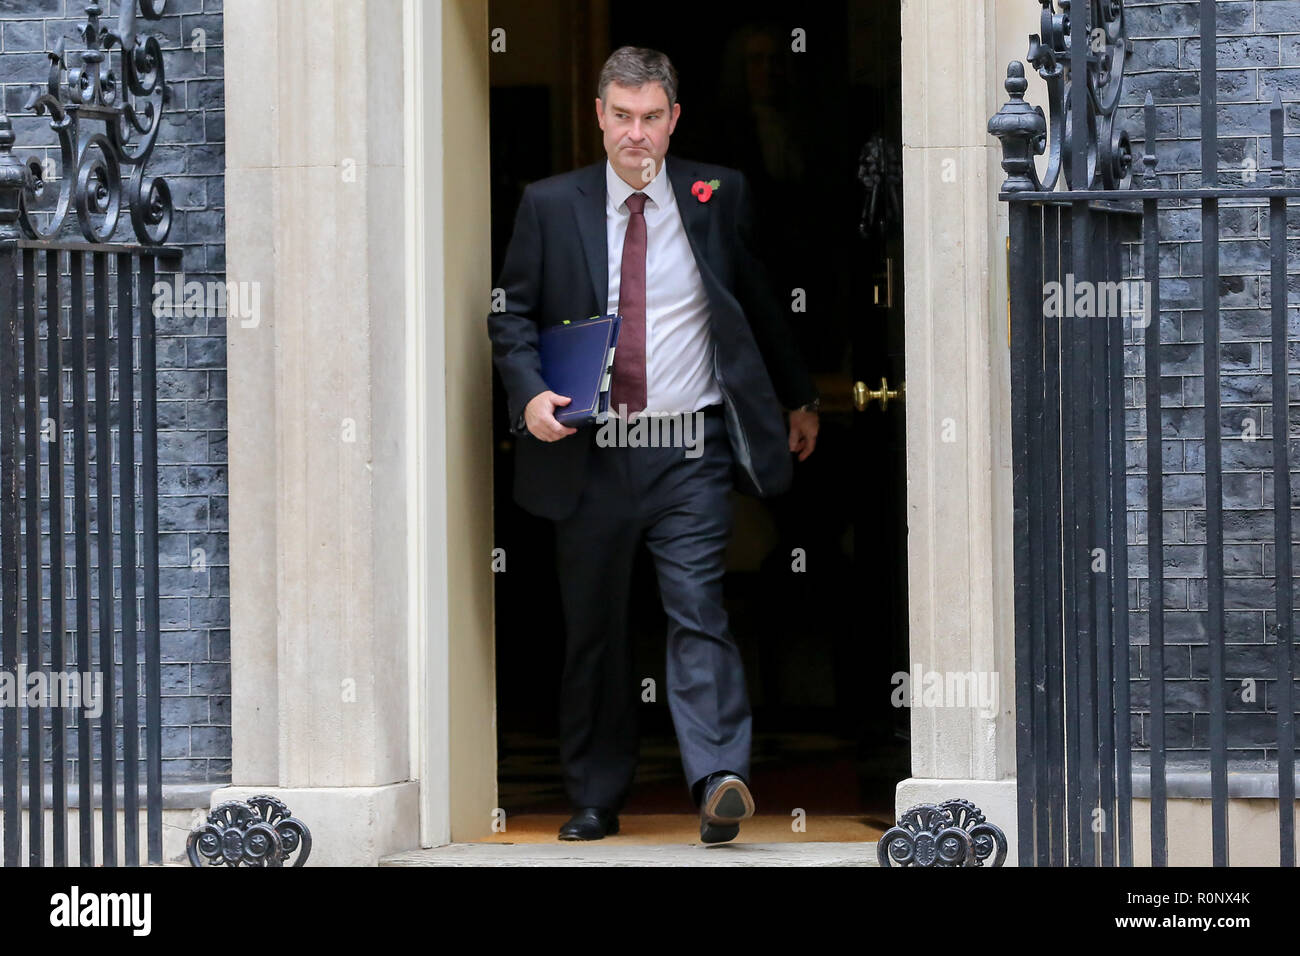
x=817, y=578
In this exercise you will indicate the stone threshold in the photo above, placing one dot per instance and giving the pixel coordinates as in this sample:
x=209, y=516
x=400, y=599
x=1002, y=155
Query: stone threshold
x=677, y=854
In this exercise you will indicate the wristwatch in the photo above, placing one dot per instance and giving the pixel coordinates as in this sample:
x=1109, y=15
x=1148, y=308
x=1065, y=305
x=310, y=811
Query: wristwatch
x=814, y=406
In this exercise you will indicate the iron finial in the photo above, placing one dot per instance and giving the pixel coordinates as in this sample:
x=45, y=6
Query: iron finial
x=1022, y=130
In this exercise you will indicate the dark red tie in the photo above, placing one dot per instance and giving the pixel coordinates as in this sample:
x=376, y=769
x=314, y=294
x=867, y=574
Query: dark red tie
x=628, y=386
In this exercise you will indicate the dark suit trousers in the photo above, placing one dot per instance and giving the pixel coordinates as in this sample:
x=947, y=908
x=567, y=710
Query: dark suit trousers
x=681, y=507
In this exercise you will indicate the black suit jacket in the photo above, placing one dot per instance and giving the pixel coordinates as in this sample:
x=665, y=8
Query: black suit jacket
x=556, y=268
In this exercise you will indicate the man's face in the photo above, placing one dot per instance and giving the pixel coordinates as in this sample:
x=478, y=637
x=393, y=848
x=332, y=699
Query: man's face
x=637, y=123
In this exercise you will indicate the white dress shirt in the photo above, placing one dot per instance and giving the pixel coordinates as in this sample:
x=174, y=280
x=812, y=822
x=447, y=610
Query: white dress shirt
x=678, y=343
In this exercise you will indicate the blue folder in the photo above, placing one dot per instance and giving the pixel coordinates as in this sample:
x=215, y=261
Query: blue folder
x=577, y=361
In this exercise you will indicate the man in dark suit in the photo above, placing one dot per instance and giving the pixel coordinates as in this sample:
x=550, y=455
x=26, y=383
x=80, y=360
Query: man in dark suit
x=669, y=245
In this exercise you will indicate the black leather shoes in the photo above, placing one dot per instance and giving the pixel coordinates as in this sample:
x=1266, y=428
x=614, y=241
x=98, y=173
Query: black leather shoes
x=725, y=801
x=590, y=823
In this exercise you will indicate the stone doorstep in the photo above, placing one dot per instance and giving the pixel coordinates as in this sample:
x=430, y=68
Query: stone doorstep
x=678, y=854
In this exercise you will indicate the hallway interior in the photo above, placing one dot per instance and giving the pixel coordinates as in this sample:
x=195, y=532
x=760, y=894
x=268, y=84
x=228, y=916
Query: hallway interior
x=818, y=773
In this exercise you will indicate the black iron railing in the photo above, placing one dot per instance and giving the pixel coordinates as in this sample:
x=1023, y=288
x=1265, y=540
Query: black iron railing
x=1073, y=733
x=74, y=308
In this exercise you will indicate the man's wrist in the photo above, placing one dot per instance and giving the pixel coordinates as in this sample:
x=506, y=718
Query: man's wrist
x=520, y=424
x=814, y=406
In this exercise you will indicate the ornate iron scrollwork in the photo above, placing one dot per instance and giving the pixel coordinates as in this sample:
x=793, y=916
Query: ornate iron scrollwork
x=1109, y=154
x=259, y=831
x=953, y=833
x=93, y=162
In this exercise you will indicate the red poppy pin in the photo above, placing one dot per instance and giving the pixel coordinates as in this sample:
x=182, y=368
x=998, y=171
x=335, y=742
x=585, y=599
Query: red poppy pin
x=703, y=191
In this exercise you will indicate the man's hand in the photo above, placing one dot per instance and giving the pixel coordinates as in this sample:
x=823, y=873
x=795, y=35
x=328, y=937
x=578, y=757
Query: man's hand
x=803, y=432
x=539, y=416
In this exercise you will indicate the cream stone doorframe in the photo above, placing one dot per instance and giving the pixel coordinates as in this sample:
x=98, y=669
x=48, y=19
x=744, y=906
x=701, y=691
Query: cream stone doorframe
x=360, y=419
x=360, y=423
x=958, y=392
x=449, y=254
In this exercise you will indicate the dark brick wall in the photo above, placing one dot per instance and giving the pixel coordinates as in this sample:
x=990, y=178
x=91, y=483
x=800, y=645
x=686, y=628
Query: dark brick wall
x=191, y=356
x=1258, y=53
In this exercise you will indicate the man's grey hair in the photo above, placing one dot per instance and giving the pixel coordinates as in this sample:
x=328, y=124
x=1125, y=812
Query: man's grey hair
x=634, y=66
